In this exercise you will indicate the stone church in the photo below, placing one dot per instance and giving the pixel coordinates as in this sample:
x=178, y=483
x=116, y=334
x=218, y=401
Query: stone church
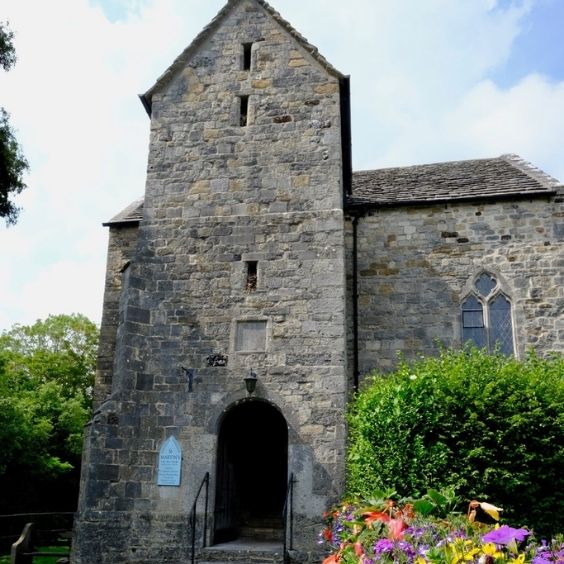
x=257, y=281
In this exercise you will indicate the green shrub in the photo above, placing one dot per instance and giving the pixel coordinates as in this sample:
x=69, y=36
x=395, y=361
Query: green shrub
x=488, y=426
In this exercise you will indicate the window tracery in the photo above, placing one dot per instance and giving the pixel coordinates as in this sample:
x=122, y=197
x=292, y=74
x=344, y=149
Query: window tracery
x=486, y=316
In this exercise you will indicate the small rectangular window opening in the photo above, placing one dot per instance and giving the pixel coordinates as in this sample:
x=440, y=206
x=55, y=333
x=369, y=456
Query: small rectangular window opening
x=244, y=110
x=251, y=285
x=247, y=50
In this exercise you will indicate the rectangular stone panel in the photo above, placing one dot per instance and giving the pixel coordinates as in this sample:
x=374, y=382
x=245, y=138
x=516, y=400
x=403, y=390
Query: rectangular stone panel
x=250, y=336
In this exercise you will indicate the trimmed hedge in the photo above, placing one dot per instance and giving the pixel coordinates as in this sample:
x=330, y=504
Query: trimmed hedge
x=489, y=426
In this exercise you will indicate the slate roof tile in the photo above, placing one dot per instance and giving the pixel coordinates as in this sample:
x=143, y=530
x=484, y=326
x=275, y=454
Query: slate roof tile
x=501, y=177
x=133, y=213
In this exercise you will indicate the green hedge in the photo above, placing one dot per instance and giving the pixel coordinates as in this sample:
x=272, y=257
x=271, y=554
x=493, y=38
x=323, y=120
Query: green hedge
x=488, y=426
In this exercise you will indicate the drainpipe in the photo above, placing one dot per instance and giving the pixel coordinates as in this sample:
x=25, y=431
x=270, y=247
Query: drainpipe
x=355, y=302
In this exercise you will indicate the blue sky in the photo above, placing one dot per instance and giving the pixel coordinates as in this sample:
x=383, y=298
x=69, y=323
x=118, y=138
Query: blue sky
x=539, y=48
x=432, y=80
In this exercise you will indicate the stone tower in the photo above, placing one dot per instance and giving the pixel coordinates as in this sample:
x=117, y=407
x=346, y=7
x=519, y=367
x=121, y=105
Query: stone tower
x=235, y=268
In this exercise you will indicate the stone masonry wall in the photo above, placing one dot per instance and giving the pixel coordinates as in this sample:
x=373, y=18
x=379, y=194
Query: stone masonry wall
x=219, y=195
x=121, y=246
x=416, y=265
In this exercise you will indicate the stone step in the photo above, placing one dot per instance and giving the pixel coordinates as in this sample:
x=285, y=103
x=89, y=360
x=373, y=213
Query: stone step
x=243, y=558
x=263, y=533
x=249, y=551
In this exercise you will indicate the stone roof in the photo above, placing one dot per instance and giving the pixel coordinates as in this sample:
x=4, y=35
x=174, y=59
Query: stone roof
x=133, y=213
x=185, y=56
x=507, y=176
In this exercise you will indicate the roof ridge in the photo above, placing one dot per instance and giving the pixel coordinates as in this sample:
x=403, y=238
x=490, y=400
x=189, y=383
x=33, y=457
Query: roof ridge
x=183, y=57
x=531, y=170
x=438, y=163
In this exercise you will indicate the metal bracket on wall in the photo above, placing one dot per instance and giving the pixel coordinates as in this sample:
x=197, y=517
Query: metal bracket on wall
x=190, y=375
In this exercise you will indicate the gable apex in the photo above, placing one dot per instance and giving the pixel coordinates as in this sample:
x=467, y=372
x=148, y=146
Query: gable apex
x=184, y=57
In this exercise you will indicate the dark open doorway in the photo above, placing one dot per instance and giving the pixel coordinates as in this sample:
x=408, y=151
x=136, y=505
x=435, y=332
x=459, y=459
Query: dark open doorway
x=252, y=468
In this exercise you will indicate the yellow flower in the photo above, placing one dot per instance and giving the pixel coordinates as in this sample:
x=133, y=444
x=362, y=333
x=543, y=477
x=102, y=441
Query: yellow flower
x=420, y=560
x=519, y=560
x=490, y=549
x=463, y=552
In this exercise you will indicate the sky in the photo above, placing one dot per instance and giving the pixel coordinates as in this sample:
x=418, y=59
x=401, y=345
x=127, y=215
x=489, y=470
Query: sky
x=431, y=81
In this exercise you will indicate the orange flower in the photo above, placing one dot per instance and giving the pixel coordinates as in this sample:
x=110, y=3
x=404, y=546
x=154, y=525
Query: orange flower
x=408, y=511
x=332, y=559
x=327, y=534
x=372, y=516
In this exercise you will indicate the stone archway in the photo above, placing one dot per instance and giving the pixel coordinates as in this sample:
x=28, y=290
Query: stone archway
x=252, y=469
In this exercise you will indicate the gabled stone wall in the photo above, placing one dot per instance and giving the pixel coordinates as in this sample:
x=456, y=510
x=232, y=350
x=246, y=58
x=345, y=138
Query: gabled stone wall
x=220, y=194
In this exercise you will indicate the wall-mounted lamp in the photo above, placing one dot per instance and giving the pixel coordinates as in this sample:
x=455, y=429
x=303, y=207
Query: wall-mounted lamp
x=251, y=382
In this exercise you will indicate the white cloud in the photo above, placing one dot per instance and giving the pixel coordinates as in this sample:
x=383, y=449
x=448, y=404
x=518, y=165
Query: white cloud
x=423, y=90
x=527, y=119
x=60, y=287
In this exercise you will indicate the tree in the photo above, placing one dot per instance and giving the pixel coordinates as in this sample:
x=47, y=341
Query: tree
x=12, y=162
x=46, y=379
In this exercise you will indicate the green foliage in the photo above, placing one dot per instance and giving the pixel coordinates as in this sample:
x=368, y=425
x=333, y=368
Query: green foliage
x=486, y=426
x=12, y=162
x=46, y=380
x=7, y=51
x=439, y=504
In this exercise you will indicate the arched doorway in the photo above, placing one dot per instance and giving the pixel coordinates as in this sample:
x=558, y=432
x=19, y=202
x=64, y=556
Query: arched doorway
x=252, y=468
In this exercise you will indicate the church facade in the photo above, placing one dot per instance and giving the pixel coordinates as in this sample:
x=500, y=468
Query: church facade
x=259, y=279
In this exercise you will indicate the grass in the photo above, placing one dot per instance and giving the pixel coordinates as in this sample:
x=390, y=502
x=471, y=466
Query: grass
x=40, y=559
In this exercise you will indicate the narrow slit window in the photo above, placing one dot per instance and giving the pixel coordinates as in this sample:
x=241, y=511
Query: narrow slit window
x=252, y=274
x=244, y=112
x=247, y=54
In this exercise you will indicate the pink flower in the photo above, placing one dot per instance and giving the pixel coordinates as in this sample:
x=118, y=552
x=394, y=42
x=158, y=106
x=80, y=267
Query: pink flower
x=358, y=549
x=396, y=527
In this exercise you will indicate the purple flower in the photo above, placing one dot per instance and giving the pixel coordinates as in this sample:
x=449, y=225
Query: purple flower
x=504, y=535
x=407, y=549
x=383, y=546
x=541, y=560
x=548, y=554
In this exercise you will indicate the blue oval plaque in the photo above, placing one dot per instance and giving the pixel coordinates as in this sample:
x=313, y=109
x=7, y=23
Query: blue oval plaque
x=170, y=458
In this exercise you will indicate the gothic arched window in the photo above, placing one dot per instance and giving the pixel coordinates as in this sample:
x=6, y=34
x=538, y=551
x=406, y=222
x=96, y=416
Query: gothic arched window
x=486, y=316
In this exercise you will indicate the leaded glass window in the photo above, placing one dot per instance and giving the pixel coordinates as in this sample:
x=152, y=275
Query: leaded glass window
x=485, y=284
x=473, y=326
x=486, y=316
x=501, y=328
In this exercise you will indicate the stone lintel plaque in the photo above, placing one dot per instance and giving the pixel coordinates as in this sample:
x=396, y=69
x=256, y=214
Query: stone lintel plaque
x=250, y=336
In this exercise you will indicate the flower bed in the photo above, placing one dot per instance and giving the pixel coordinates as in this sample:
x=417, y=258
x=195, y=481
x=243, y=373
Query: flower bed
x=425, y=531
